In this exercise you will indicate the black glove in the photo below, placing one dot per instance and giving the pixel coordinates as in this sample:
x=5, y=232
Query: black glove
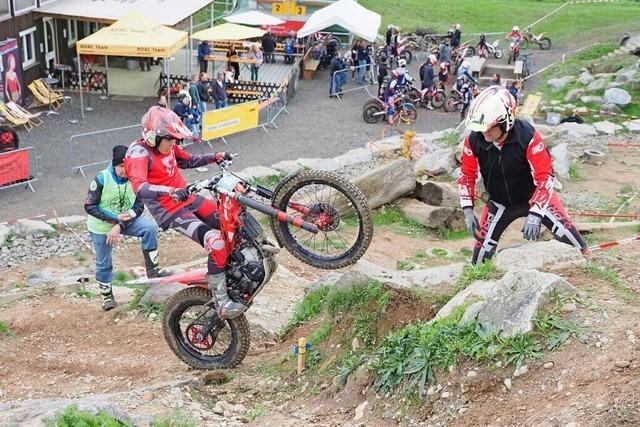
x=470, y=221
x=532, y=227
x=180, y=195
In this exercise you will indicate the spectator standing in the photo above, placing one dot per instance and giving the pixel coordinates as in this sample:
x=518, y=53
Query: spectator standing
x=427, y=76
x=204, y=50
x=204, y=87
x=383, y=72
x=513, y=90
x=335, y=80
x=361, y=56
x=184, y=111
x=193, y=89
x=269, y=47
x=113, y=209
x=444, y=54
x=457, y=35
x=233, y=53
x=184, y=91
x=145, y=63
x=219, y=90
x=495, y=80
x=289, y=49
x=256, y=55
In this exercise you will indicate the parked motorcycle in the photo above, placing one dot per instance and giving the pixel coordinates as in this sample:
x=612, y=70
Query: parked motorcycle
x=490, y=49
x=402, y=50
x=375, y=110
x=454, y=100
x=423, y=97
x=529, y=38
x=319, y=217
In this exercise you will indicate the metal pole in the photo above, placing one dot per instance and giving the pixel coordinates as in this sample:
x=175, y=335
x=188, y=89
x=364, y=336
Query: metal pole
x=80, y=85
x=106, y=65
x=190, y=42
x=212, y=14
x=166, y=61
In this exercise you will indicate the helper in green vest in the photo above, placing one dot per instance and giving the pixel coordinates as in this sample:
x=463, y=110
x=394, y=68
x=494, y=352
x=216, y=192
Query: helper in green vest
x=113, y=210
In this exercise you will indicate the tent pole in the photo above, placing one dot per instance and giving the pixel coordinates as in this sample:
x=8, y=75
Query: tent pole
x=212, y=12
x=166, y=61
x=80, y=84
x=190, y=42
x=106, y=64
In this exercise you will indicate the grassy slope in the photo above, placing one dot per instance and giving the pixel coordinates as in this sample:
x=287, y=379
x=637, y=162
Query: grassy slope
x=501, y=15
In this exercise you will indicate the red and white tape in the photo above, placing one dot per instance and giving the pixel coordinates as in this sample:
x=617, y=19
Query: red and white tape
x=613, y=244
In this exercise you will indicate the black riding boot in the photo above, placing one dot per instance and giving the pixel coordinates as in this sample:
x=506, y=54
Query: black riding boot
x=151, y=265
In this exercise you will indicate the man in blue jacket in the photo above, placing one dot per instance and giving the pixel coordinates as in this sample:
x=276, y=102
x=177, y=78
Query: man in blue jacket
x=113, y=210
x=203, y=50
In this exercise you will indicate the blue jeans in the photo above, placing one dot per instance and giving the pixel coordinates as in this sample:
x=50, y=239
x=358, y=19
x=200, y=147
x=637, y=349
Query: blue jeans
x=335, y=83
x=254, y=72
x=144, y=228
x=221, y=104
x=203, y=107
x=363, y=67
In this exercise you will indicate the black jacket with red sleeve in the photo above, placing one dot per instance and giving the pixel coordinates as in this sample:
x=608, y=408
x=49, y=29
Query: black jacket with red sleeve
x=518, y=172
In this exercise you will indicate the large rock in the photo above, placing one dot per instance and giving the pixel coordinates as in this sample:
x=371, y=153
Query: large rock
x=632, y=126
x=437, y=194
x=597, y=85
x=586, y=99
x=30, y=227
x=287, y=166
x=606, y=127
x=438, y=162
x=512, y=305
x=585, y=78
x=329, y=165
x=391, y=144
x=538, y=255
x=353, y=157
x=573, y=95
x=434, y=217
x=632, y=44
x=628, y=73
x=556, y=85
x=68, y=220
x=159, y=294
x=4, y=233
x=617, y=96
x=437, y=279
x=575, y=130
x=258, y=172
x=560, y=156
x=472, y=293
x=387, y=183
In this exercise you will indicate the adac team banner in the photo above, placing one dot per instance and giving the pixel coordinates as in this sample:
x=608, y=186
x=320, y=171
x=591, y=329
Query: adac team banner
x=230, y=120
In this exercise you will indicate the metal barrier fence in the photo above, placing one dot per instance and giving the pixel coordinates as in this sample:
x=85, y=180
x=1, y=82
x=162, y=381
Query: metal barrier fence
x=8, y=166
x=95, y=150
x=342, y=74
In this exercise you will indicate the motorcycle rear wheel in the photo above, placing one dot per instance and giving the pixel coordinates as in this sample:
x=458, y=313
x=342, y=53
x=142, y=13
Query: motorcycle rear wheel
x=524, y=43
x=409, y=113
x=545, y=43
x=370, y=113
x=498, y=53
x=471, y=51
x=338, y=208
x=179, y=332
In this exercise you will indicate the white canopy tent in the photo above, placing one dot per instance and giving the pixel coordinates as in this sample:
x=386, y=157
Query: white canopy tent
x=253, y=17
x=349, y=15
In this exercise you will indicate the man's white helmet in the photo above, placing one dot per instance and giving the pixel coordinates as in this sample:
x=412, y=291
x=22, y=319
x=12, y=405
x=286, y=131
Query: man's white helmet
x=516, y=28
x=402, y=62
x=493, y=106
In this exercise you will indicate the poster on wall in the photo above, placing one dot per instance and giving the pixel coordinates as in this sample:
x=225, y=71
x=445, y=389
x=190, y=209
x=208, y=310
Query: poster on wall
x=11, y=72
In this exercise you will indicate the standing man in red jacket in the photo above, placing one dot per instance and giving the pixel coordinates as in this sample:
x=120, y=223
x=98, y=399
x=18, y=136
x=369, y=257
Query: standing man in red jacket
x=153, y=166
x=517, y=172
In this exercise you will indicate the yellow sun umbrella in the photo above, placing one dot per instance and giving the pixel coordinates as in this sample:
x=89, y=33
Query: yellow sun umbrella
x=229, y=31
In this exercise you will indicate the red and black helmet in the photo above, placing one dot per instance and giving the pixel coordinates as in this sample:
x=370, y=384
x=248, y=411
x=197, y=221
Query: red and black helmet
x=160, y=122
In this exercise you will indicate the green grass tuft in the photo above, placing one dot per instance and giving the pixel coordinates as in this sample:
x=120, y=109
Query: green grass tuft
x=79, y=256
x=574, y=173
x=258, y=410
x=268, y=182
x=390, y=216
x=5, y=329
x=120, y=278
x=176, y=419
x=349, y=366
x=321, y=334
x=72, y=417
x=84, y=293
x=605, y=273
x=308, y=308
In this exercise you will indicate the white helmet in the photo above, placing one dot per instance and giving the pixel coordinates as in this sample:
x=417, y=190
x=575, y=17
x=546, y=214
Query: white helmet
x=432, y=58
x=402, y=62
x=516, y=28
x=493, y=106
x=456, y=26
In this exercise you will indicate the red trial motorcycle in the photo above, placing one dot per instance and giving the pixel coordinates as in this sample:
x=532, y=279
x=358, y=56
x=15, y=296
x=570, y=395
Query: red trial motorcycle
x=319, y=217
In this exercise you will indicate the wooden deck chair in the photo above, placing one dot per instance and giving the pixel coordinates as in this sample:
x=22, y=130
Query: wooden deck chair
x=44, y=89
x=13, y=120
x=42, y=100
x=23, y=113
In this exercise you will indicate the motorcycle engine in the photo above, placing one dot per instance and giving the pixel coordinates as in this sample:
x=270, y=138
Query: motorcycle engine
x=246, y=267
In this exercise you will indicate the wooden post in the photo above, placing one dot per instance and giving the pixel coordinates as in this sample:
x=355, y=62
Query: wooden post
x=55, y=214
x=21, y=283
x=302, y=354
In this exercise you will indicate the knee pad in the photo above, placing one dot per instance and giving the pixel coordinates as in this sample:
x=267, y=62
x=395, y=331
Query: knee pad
x=213, y=241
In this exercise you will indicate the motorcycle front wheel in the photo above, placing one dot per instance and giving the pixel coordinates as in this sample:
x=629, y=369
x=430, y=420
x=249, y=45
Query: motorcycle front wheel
x=372, y=113
x=471, y=51
x=409, y=113
x=545, y=43
x=498, y=53
x=407, y=55
x=450, y=105
x=335, y=206
x=186, y=314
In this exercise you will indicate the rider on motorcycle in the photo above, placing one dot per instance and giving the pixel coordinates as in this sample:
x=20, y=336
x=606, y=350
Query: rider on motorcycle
x=403, y=75
x=395, y=85
x=467, y=97
x=515, y=37
x=482, y=49
x=152, y=164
